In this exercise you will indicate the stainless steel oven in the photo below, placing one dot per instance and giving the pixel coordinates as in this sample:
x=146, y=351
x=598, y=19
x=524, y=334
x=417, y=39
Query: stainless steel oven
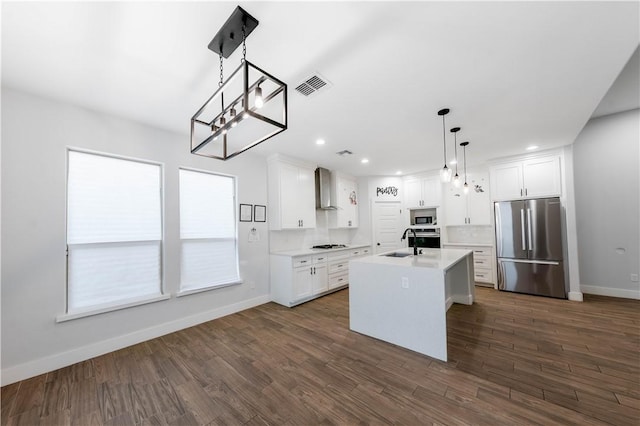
x=425, y=237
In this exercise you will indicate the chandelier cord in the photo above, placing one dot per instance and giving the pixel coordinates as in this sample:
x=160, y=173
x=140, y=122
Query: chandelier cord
x=444, y=137
x=221, y=76
x=244, y=45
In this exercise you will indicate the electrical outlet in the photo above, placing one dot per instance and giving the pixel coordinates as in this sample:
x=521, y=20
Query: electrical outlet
x=405, y=282
x=634, y=278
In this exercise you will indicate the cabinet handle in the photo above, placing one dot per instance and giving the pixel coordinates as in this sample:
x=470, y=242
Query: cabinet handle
x=303, y=261
x=339, y=266
x=526, y=191
x=521, y=192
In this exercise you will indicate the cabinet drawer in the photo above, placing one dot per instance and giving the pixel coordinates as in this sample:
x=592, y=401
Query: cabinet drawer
x=339, y=266
x=483, y=275
x=342, y=254
x=360, y=252
x=302, y=261
x=481, y=251
x=481, y=261
x=338, y=280
x=319, y=258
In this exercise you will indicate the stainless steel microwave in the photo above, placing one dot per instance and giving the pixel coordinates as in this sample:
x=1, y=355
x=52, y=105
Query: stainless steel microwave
x=424, y=220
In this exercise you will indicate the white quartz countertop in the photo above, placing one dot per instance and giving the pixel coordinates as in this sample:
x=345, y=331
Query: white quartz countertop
x=430, y=258
x=468, y=244
x=310, y=251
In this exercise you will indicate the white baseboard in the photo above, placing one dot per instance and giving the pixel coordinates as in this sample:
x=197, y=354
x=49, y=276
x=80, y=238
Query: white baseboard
x=457, y=298
x=448, y=303
x=63, y=359
x=575, y=296
x=611, y=292
x=463, y=299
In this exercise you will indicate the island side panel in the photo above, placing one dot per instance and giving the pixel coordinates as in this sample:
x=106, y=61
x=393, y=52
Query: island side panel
x=412, y=316
x=459, y=280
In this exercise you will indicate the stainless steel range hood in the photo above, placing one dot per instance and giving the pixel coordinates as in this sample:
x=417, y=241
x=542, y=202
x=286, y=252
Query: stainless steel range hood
x=323, y=189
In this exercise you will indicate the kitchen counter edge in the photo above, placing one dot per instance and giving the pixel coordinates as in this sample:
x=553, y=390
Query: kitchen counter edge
x=307, y=252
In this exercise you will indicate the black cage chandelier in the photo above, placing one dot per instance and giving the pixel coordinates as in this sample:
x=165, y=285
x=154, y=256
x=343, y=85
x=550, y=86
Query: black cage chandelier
x=248, y=108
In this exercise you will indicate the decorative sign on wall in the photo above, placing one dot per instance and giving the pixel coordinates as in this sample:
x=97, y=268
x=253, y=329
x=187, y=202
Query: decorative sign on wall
x=388, y=190
x=352, y=198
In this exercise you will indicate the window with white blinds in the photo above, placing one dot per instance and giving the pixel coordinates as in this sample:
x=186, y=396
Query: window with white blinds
x=209, y=255
x=114, y=231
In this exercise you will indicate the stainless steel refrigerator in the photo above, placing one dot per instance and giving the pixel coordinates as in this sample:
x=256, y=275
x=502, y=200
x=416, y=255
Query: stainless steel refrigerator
x=529, y=247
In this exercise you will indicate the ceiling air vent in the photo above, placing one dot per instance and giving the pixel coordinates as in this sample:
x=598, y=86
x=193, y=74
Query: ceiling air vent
x=311, y=85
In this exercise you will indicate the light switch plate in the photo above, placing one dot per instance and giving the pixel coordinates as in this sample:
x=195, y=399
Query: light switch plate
x=405, y=282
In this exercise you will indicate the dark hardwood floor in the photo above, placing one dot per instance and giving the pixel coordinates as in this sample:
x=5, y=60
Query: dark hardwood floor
x=514, y=359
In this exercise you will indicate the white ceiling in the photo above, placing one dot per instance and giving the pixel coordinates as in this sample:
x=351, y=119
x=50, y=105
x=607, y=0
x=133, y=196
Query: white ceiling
x=512, y=73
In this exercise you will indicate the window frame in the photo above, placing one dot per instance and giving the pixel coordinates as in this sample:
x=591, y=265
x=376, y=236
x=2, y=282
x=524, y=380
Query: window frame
x=128, y=303
x=186, y=292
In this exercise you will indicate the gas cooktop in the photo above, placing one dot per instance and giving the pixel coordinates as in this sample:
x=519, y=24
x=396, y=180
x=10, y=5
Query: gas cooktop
x=329, y=246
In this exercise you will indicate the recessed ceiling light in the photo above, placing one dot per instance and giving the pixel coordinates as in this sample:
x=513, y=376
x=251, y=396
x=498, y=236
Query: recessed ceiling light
x=399, y=172
x=364, y=160
x=320, y=142
x=532, y=147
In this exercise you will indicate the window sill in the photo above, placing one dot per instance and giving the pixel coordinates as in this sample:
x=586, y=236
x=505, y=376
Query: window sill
x=200, y=290
x=88, y=313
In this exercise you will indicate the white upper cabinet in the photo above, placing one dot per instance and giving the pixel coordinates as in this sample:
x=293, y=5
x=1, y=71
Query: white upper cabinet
x=422, y=192
x=345, y=198
x=531, y=178
x=473, y=208
x=291, y=194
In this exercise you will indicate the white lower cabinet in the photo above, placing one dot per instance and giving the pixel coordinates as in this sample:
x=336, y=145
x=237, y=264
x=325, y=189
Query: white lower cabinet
x=483, y=261
x=297, y=279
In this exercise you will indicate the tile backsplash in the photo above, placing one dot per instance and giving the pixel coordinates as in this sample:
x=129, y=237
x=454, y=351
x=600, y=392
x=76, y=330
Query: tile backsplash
x=470, y=234
x=295, y=239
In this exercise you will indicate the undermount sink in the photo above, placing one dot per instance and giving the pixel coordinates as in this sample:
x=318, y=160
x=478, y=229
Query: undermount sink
x=397, y=254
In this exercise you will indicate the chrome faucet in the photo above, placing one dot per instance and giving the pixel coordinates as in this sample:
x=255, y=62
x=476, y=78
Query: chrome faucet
x=415, y=239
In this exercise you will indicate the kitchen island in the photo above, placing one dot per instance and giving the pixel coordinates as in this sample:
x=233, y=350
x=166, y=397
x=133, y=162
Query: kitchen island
x=403, y=298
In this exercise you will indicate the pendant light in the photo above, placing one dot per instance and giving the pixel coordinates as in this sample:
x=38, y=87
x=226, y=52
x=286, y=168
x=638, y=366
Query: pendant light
x=457, y=182
x=465, y=187
x=248, y=108
x=445, y=172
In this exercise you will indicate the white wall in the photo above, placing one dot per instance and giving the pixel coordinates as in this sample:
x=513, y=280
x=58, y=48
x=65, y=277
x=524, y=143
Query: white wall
x=35, y=134
x=607, y=176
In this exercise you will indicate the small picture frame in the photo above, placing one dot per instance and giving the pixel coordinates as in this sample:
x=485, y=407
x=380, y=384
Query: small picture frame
x=259, y=213
x=246, y=211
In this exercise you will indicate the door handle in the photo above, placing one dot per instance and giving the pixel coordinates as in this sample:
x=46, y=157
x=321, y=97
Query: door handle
x=524, y=237
x=529, y=229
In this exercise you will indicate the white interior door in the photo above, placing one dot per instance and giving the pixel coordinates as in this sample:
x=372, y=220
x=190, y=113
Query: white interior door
x=387, y=226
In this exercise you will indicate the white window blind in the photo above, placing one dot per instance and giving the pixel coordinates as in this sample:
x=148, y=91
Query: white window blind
x=114, y=231
x=209, y=255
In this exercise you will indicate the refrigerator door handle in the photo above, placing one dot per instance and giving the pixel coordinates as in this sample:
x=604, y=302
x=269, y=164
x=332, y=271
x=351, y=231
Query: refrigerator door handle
x=529, y=229
x=524, y=238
